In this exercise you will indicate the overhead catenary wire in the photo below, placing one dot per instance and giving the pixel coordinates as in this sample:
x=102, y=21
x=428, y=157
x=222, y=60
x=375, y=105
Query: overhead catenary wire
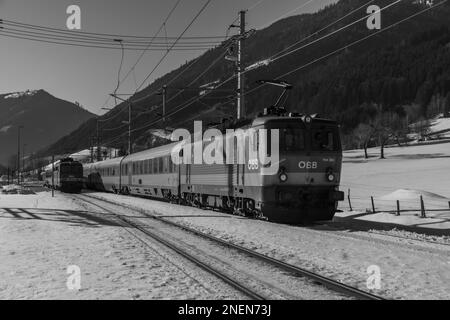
x=167, y=51
x=184, y=70
x=97, y=40
x=353, y=43
x=311, y=62
x=16, y=35
x=176, y=41
x=286, y=14
x=104, y=35
x=191, y=101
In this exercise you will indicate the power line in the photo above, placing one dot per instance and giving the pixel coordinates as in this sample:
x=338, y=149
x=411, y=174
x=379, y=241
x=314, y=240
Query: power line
x=176, y=41
x=305, y=65
x=184, y=70
x=288, y=13
x=167, y=50
x=322, y=29
x=23, y=36
x=154, y=37
x=194, y=99
x=353, y=43
x=101, y=40
x=333, y=32
x=105, y=35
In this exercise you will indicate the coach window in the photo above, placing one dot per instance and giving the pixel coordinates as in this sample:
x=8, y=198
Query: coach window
x=324, y=139
x=161, y=165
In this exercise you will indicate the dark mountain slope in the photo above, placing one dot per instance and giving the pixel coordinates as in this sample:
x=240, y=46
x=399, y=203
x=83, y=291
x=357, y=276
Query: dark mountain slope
x=407, y=64
x=44, y=118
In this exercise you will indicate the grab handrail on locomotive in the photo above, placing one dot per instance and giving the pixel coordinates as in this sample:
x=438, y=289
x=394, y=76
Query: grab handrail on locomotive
x=306, y=187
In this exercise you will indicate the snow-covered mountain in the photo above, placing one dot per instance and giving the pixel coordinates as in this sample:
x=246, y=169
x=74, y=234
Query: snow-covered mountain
x=44, y=118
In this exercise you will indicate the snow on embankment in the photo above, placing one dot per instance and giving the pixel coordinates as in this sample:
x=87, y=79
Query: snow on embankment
x=15, y=189
x=407, y=194
x=410, y=199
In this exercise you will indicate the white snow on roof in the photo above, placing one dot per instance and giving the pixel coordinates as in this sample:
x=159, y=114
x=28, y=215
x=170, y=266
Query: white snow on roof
x=16, y=95
x=5, y=129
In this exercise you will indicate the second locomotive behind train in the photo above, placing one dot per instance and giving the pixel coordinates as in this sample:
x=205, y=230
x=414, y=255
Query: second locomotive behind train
x=65, y=175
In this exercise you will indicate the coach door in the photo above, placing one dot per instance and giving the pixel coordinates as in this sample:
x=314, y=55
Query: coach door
x=239, y=173
x=130, y=173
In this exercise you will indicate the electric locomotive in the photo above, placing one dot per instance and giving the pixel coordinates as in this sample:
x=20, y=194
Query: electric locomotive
x=303, y=187
x=65, y=175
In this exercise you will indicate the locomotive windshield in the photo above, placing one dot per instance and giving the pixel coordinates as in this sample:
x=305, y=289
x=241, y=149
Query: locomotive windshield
x=71, y=169
x=325, y=139
x=292, y=139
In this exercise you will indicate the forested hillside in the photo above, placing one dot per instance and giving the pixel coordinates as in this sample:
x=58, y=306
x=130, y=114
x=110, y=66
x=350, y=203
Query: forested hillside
x=366, y=79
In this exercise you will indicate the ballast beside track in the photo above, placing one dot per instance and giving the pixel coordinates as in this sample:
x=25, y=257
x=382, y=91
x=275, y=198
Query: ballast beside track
x=329, y=283
x=217, y=273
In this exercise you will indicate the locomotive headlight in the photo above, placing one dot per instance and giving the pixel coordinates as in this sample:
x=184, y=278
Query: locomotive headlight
x=331, y=177
x=283, y=177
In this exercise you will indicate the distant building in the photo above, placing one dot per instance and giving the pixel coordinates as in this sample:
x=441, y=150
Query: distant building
x=428, y=3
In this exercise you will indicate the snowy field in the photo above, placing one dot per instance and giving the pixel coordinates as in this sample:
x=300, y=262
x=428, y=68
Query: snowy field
x=419, y=271
x=41, y=237
x=406, y=174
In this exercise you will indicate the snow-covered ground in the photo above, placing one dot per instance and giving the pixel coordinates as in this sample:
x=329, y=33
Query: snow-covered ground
x=418, y=271
x=405, y=175
x=41, y=237
x=439, y=125
x=16, y=95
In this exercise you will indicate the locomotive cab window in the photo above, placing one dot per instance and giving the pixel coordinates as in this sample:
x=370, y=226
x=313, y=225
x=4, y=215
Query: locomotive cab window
x=325, y=139
x=292, y=139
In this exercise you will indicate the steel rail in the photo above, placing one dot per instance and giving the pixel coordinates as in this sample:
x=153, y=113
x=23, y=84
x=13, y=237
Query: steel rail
x=233, y=283
x=325, y=281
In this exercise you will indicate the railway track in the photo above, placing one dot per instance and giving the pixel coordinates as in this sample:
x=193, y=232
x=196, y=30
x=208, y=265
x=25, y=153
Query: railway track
x=384, y=237
x=330, y=284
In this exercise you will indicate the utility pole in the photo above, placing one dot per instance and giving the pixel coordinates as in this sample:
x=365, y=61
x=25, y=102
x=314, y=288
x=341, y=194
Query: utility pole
x=129, y=128
x=125, y=122
x=98, y=144
x=240, y=66
x=53, y=176
x=23, y=156
x=91, y=147
x=164, y=95
x=18, y=154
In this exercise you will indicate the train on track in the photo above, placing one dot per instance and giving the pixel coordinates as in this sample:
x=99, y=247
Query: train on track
x=304, y=187
x=65, y=175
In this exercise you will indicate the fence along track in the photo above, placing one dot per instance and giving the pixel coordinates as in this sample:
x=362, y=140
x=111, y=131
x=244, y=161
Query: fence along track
x=325, y=281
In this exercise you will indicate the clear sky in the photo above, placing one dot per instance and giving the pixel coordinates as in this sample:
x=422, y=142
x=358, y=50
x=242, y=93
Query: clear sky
x=87, y=75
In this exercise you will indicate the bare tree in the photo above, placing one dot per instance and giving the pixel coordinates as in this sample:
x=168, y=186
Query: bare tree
x=421, y=128
x=363, y=135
